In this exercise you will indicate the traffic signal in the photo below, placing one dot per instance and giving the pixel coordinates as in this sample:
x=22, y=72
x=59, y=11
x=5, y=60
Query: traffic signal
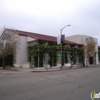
x=62, y=38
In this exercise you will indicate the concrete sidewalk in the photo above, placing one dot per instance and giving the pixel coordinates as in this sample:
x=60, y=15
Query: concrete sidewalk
x=47, y=69
x=43, y=69
x=35, y=69
x=52, y=69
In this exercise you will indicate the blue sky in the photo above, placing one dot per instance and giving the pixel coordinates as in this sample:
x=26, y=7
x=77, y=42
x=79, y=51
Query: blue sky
x=49, y=16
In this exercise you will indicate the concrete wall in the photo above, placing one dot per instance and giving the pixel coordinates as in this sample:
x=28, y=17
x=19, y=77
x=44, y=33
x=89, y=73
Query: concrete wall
x=74, y=38
x=29, y=39
x=21, y=52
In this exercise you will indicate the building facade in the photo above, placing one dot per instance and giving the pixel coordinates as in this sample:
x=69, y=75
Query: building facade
x=26, y=39
x=82, y=40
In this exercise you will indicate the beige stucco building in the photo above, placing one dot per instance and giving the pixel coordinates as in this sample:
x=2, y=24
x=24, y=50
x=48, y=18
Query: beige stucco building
x=24, y=39
x=82, y=40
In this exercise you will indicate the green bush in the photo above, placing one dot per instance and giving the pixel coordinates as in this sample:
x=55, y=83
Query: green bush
x=1, y=61
x=36, y=61
x=8, y=60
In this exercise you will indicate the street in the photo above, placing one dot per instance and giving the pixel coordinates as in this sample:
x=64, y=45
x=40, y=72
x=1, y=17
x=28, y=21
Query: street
x=75, y=84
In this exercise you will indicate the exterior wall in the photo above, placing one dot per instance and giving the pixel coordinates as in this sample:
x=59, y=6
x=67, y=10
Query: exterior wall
x=96, y=50
x=74, y=38
x=31, y=43
x=29, y=39
x=81, y=39
x=21, y=52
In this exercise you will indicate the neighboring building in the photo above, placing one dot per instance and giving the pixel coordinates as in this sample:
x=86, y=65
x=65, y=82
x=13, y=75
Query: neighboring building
x=26, y=39
x=82, y=40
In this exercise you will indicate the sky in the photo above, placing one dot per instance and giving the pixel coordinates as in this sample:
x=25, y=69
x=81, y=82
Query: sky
x=49, y=16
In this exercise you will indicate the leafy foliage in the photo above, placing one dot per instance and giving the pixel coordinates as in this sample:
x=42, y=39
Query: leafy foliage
x=8, y=42
x=8, y=60
x=52, y=49
x=90, y=45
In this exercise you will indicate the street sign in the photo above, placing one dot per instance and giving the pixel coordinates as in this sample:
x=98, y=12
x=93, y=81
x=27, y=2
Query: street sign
x=59, y=54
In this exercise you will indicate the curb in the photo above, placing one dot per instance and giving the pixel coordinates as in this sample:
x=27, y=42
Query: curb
x=55, y=70
x=8, y=69
x=38, y=71
x=44, y=70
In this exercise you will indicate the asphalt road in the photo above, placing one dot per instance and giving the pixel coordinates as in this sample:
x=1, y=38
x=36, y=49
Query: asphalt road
x=74, y=84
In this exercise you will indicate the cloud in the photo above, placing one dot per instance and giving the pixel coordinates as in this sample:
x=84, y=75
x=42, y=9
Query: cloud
x=49, y=16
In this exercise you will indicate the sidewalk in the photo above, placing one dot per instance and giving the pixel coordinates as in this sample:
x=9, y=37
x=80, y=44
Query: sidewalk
x=52, y=69
x=42, y=69
x=35, y=69
x=47, y=69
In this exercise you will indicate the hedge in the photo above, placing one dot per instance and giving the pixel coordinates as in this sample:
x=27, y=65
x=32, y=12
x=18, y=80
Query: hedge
x=8, y=60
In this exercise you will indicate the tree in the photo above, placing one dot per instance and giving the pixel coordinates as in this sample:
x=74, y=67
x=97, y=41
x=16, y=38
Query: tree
x=89, y=48
x=8, y=41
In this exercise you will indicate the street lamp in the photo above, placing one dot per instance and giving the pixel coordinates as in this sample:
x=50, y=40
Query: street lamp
x=95, y=56
x=61, y=41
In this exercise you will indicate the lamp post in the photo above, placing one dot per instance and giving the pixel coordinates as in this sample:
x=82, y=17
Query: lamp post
x=61, y=41
x=95, y=56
